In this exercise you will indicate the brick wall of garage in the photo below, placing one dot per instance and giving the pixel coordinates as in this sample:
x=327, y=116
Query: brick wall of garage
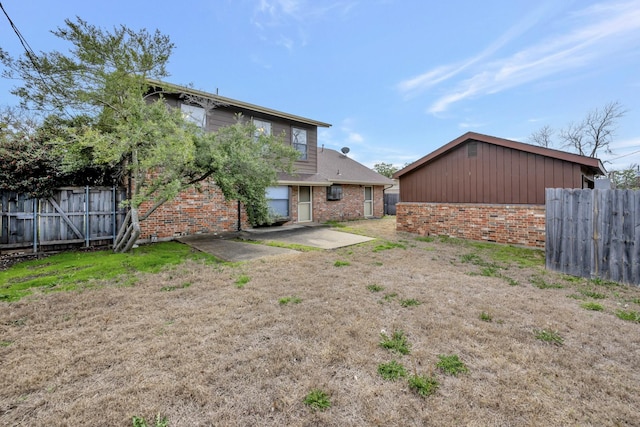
x=512, y=224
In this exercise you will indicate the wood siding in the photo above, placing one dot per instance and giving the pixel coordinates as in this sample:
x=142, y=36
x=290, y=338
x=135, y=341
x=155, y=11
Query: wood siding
x=494, y=174
x=225, y=116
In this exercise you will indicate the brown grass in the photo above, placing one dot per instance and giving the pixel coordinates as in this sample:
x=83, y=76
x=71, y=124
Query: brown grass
x=214, y=354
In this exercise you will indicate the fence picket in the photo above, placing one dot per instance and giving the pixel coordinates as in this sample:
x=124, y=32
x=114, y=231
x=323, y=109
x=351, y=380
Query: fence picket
x=71, y=215
x=594, y=233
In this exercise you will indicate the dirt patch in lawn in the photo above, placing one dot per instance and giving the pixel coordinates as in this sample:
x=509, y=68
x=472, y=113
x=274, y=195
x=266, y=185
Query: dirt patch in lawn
x=245, y=344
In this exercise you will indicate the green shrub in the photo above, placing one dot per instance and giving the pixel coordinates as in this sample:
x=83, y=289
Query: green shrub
x=287, y=300
x=451, y=365
x=423, y=385
x=242, y=280
x=392, y=371
x=486, y=317
x=409, y=302
x=552, y=337
x=397, y=342
x=592, y=306
x=317, y=400
x=632, y=316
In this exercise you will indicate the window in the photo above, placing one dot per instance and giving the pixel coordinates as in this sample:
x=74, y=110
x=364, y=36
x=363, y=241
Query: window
x=278, y=201
x=194, y=115
x=299, y=141
x=262, y=128
x=334, y=192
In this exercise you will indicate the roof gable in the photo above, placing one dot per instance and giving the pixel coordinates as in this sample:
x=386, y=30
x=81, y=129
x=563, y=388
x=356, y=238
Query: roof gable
x=590, y=162
x=170, y=87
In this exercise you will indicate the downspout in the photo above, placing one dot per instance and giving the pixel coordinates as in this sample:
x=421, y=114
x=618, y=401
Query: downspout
x=239, y=217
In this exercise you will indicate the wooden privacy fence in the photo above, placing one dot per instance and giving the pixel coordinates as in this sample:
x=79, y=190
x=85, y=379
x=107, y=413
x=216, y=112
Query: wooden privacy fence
x=72, y=216
x=594, y=233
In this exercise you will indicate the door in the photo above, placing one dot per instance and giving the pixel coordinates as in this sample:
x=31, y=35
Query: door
x=304, y=204
x=368, y=201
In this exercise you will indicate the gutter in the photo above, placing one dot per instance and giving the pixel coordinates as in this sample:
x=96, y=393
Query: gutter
x=306, y=183
x=346, y=181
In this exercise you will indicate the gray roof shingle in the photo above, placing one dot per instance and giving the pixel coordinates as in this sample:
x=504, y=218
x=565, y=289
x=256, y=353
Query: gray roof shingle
x=336, y=168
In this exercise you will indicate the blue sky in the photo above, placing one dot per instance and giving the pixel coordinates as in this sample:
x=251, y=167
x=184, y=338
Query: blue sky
x=396, y=79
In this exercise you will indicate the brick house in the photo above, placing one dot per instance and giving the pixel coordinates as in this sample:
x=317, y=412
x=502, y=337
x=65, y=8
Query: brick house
x=481, y=187
x=326, y=185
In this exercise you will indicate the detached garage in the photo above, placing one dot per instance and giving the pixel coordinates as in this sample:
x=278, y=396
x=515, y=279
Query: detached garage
x=482, y=187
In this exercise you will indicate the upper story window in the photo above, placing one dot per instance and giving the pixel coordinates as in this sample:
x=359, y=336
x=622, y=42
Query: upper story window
x=262, y=128
x=299, y=141
x=194, y=115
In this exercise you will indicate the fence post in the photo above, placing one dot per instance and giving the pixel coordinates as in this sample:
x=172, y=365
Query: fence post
x=113, y=222
x=86, y=216
x=595, y=260
x=36, y=202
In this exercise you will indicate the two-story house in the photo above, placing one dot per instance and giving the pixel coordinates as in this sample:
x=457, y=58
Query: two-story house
x=326, y=185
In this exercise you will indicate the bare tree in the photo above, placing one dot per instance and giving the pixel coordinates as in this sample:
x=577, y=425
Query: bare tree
x=594, y=134
x=589, y=137
x=542, y=137
x=573, y=136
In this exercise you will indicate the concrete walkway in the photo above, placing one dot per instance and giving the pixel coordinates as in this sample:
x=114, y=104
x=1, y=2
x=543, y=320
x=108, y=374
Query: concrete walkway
x=234, y=250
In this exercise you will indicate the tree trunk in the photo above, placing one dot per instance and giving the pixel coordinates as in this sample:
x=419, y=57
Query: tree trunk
x=129, y=232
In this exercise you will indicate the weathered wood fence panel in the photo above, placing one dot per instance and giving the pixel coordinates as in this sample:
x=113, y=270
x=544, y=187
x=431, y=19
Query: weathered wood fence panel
x=72, y=215
x=594, y=233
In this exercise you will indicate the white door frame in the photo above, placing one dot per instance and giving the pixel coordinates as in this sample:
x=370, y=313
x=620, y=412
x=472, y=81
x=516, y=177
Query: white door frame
x=368, y=203
x=309, y=203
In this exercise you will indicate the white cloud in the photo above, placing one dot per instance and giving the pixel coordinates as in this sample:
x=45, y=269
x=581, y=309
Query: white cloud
x=440, y=74
x=286, y=42
x=290, y=18
x=596, y=32
x=470, y=124
x=355, y=138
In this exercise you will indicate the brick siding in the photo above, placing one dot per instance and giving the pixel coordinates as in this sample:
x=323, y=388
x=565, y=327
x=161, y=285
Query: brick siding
x=512, y=224
x=193, y=211
x=351, y=206
x=205, y=210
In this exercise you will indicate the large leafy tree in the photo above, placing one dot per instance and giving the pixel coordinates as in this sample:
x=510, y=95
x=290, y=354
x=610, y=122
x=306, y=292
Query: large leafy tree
x=105, y=77
x=30, y=164
x=386, y=169
x=26, y=165
x=626, y=179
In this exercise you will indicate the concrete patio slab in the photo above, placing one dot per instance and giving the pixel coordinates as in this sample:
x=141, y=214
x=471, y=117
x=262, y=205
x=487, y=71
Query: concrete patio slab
x=230, y=250
x=233, y=250
x=318, y=237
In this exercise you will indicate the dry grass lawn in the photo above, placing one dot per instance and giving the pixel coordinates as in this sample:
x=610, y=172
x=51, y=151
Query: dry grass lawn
x=214, y=353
